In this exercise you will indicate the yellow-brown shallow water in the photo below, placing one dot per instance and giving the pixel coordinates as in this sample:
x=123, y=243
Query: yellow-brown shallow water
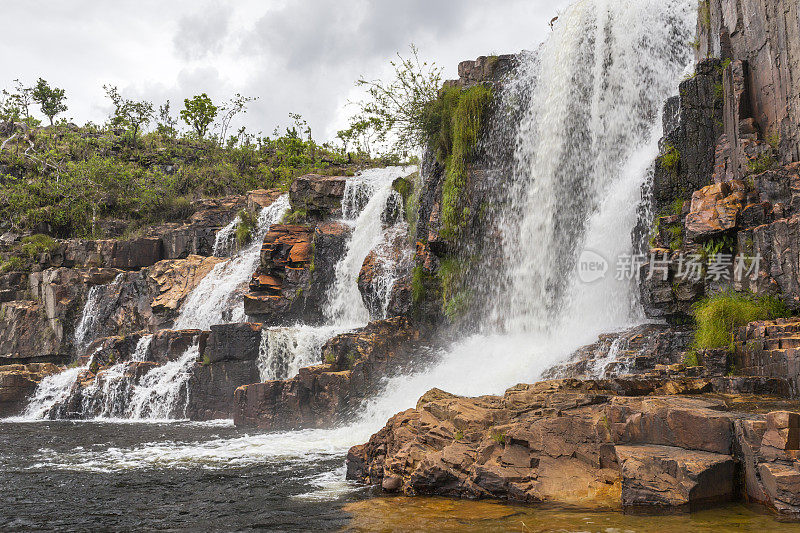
x=440, y=514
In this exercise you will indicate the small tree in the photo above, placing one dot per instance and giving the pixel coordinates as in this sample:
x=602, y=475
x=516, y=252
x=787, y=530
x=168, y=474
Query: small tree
x=17, y=103
x=50, y=99
x=199, y=113
x=235, y=106
x=399, y=106
x=167, y=125
x=130, y=114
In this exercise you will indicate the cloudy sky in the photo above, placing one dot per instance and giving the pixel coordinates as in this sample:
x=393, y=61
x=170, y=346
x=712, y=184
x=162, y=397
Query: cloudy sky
x=299, y=56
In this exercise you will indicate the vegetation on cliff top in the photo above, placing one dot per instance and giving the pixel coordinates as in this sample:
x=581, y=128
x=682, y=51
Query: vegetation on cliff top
x=67, y=181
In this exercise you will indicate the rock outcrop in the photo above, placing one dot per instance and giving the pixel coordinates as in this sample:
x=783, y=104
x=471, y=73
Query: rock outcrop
x=352, y=367
x=296, y=268
x=18, y=382
x=580, y=443
x=318, y=196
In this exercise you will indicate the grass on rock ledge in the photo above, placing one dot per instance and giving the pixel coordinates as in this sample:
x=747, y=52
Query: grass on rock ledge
x=718, y=316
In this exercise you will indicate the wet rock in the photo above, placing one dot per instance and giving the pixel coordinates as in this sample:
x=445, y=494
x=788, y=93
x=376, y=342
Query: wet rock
x=297, y=267
x=233, y=342
x=355, y=363
x=211, y=387
x=169, y=345
x=320, y=196
x=692, y=125
x=664, y=476
x=569, y=442
x=385, y=278
x=18, y=382
x=174, y=280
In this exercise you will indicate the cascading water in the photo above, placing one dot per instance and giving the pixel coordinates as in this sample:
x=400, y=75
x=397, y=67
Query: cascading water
x=109, y=395
x=371, y=208
x=225, y=239
x=581, y=155
x=161, y=391
x=366, y=201
x=583, y=150
x=217, y=299
x=85, y=329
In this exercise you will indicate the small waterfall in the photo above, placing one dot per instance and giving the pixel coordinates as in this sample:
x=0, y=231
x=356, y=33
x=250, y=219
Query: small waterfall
x=218, y=297
x=368, y=198
x=225, y=240
x=372, y=208
x=51, y=391
x=284, y=351
x=162, y=393
x=108, y=396
x=85, y=331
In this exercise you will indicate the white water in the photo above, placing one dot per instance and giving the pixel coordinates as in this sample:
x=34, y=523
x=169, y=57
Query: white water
x=225, y=239
x=217, y=299
x=51, y=391
x=85, y=330
x=284, y=351
x=365, y=201
x=579, y=163
x=108, y=396
x=159, y=393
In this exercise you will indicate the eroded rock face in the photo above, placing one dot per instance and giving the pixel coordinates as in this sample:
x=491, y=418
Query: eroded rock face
x=354, y=364
x=18, y=382
x=714, y=210
x=568, y=442
x=385, y=278
x=319, y=196
x=297, y=267
x=173, y=280
x=765, y=36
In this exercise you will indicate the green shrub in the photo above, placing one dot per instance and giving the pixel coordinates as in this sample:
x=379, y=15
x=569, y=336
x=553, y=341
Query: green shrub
x=35, y=245
x=676, y=237
x=248, y=221
x=296, y=216
x=676, y=207
x=13, y=264
x=718, y=316
x=761, y=164
x=670, y=159
x=418, y=284
x=499, y=437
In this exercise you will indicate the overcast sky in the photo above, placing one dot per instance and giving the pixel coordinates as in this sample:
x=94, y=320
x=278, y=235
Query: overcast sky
x=299, y=56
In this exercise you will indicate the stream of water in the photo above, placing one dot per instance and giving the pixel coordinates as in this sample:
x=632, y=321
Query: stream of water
x=583, y=150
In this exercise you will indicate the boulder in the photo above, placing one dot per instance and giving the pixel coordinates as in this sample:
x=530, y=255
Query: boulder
x=714, y=210
x=665, y=476
x=320, y=196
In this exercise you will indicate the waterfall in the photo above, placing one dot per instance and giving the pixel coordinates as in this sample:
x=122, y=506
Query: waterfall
x=225, y=239
x=85, y=331
x=161, y=393
x=367, y=204
x=217, y=299
x=284, y=351
x=371, y=208
x=51, y=391
x=109, y=394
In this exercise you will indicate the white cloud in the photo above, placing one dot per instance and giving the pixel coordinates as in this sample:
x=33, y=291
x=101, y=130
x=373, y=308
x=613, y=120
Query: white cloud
x=296, y=56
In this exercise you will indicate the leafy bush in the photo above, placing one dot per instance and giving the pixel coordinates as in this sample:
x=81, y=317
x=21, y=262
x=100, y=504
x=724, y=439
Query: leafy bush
x=244, y=229
x=718, y=317
x=13, y=264
x=35, y=245
x=761, y=164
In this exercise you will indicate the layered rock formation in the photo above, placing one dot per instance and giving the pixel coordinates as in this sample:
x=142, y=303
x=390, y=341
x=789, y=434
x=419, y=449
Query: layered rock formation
x=592, y=444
